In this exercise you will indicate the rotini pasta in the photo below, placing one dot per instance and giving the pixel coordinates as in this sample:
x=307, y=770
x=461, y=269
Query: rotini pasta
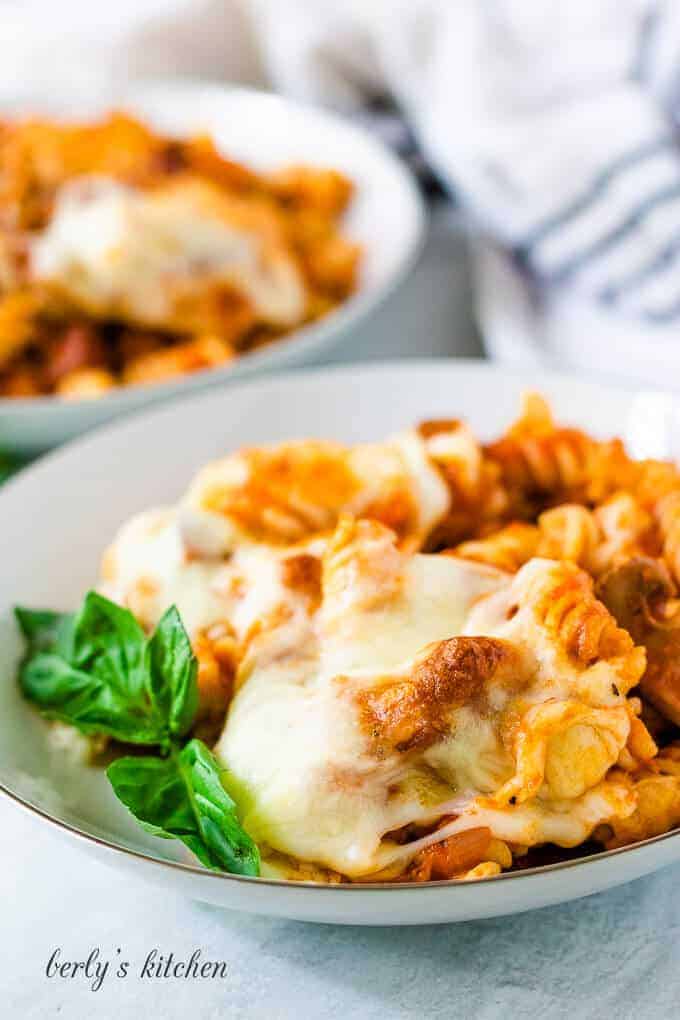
x=463, y=654
x=541, y=463
x=597, y=540
x=657, y=790
x=199, y=258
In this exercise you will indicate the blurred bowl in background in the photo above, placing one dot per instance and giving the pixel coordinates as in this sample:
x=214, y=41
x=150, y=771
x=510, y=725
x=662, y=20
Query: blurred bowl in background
x=386, y=217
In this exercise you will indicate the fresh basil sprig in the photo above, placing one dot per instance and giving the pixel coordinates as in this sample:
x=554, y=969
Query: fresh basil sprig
x=9, y=465
x=98, y=671
x=182, y=797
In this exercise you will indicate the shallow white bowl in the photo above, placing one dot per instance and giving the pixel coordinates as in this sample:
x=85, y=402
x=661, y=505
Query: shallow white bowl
x=56, y=517
x=264, y=131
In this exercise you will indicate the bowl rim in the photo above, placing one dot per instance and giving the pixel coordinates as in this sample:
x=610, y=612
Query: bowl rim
x=118, y=849
x=290, y=378
x=304, y=339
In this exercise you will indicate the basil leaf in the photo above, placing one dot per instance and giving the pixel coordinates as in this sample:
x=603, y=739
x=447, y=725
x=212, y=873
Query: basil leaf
x=173, y=672
x=182, y=797
x=44, y=630
x=86, y=702
x=97, y=671
x=219, y=826
x=52, y=683
x=9, y=465
x=107, y=638
x=153, y=790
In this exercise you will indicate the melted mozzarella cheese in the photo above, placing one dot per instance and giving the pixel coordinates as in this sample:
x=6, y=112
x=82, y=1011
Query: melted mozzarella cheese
x=527, y=753
x=297, y=758
x=566, y=823
x=147, y=568
x=286, y=493
x=306, y=773
x=433, y=601
x=140, y=255
x=429, y=491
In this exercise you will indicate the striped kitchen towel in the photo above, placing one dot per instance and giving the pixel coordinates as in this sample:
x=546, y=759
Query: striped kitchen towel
x=555, y=125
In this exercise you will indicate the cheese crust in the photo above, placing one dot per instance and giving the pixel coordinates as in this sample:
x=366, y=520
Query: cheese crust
x=389, y=708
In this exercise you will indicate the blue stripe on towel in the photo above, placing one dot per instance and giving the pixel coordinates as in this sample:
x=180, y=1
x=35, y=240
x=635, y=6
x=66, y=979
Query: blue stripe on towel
x=596, y=190
x=608, y=240
x=659, y=316
x=621, y=289
x=649, y=29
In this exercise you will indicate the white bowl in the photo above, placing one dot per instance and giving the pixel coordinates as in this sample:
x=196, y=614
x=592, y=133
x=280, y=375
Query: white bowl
x=56, y=517
x=265, y=131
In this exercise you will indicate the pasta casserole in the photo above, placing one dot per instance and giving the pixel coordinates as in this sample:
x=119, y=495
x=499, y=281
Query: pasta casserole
x=130, y=257
x=429, y=657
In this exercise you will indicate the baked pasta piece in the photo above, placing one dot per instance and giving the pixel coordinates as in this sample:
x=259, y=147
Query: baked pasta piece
x=657, y=792
x=616, y=530
x=383, y=719
x=391, y=708
x=164, y=256
x=286, y=493
x=542, y=463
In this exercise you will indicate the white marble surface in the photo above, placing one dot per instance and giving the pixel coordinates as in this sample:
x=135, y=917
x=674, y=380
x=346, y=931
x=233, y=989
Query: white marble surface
x=616, y=954
x=612, y=955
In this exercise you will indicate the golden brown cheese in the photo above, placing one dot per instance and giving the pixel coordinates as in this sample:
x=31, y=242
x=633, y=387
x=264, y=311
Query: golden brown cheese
x=423, y=688
x=392, y=709
x=287, y=493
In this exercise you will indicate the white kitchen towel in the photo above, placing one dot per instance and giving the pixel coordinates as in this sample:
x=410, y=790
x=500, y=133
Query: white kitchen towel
x=554, y=123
